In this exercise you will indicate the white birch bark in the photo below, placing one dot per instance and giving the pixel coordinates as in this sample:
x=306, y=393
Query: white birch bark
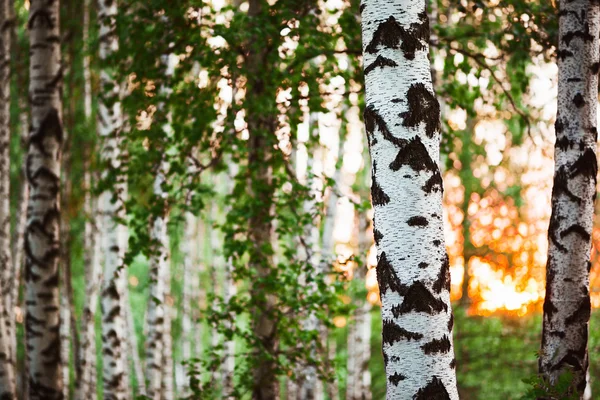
x=111, y=210
x=167, y=378
x=155, y=342
x=402, y=125
x=134, y=350
x=7, y=331
x=42, y=235
x=567, y=302
x=189, y=281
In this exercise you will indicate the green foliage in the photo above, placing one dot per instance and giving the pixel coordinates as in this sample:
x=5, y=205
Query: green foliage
x=542, y=388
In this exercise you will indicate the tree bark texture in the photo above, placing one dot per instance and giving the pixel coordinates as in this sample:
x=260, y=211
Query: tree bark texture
x=260, y=145
x=155, y=342
x=111, y=210
x=413, y=271
x=7, y=331
x=567, y=301
x=42, y=241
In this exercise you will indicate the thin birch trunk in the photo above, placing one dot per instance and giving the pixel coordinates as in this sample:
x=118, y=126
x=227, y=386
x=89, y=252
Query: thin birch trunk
x=402, y=125
x=134, y=350
x=260, y=186
x=111, y=210
x=86, y=384
x=7, y=301
x=167, y=378
x=42, y=235
x=567, y=303
x=155, y=342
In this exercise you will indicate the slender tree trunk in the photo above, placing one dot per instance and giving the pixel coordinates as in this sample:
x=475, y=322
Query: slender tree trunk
x=134, y=350
x=155, y=342
x=7, y=331
x=111, y=209
x=404, y=140
x=189, y=275
x=42, y=241
x=260, y=145
x=567, y=302
x=359, y=341
x=167, y=378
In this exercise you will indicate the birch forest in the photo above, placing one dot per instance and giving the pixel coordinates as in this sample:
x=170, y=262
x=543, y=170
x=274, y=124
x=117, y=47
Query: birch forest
x=299, y=200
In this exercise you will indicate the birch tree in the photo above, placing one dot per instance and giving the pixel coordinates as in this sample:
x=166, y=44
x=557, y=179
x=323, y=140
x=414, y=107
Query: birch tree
x=567, y=302
x=111, y=210
x=42, y=240
x=402, y=123
x=7, y=363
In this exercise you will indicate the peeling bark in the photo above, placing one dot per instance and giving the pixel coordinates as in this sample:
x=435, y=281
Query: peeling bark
x=404, y=140
x=567, y=302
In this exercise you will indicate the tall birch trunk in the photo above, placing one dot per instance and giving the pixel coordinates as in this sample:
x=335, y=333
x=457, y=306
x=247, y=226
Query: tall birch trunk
x=189, y=277
x=7, y=331
x=359, y=340
x=567, y=302
x=111, y=210
x=260, y=185
x=155, y=342
x=42, y=235
x=134, y=350
x=167, y=378
x=86, y=384
x=413, y=271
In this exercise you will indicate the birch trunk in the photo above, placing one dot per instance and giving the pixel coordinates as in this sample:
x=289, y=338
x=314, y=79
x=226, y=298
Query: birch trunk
x=567, y=301
x=167, y=379
x=260, y=144
x=189, y=277
x=7, y=331
x=111, y=209
x=155, y=343
x=42, y=235
x=133, y=350
x=413, y=270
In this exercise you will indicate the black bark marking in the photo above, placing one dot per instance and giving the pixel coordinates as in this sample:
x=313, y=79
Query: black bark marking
x=549, y=308
x=392, y=333
x=435, y=390
x=563, y=54
x=582, y=34
x=423, y=106
x=595, y=68
x=415, y=155
x=578, y=100
x=50, y=127
x=437, y=346
x=396, y=378
x=380, y=62
x=378, y=196
x=377, y=235
x=453, y=363
x=437, y=242
x=423, y=265
x=559, y=125
x=387, y=278
x=391, y=35
x=374, y=120
x=582, y=314
x=594, y=132
x=434, y=184
x=553, y=230
x=451, y=323
x=586, y=165
x=45, y=19
x=417, y=221
x=443, y=278
x=576, y=229
x=419, y=299
x=561, y=186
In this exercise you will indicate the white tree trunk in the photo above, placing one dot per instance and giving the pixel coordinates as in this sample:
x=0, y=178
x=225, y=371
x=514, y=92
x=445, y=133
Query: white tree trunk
x=567, y=302
x=113, y=234
x=167, y=379
x=155, y=342
x=42, y=235
x=402, y=124
x=7, y=301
